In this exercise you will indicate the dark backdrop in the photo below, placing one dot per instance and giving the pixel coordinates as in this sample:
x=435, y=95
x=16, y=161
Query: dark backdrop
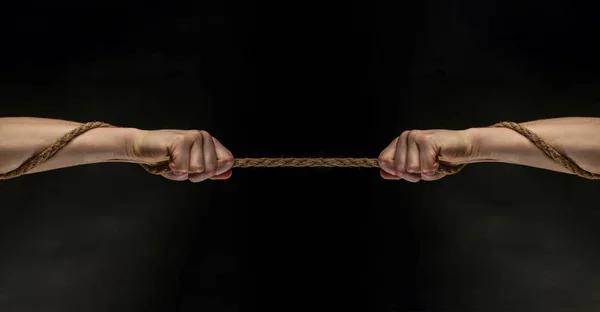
x=300, y=79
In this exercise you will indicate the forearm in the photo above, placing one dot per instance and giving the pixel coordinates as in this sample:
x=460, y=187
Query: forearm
x=575, y=137
x=24, y=137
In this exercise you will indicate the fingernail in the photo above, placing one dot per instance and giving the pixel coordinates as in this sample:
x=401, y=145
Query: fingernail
x=429, y=173
x=178, y=173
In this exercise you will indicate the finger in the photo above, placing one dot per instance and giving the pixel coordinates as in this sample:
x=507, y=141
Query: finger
x=197, y=156
x=172, y=176
x=210, y=156
x=412, y=177
x=210, y=159
x=386, y=158
x=412, y=155
x=428, y=156
x=224, y=176
x=432, y=177
x=180, y=157
x=401, y=158
x=224, y=157
x=388, y=176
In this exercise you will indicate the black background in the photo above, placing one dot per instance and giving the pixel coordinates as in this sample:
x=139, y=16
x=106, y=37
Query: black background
x=300, y=79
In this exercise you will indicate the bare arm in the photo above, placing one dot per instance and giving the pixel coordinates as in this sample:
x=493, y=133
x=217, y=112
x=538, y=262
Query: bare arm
x=416, y=154
x=575, y=137
x=24, y=137
x=192, y=155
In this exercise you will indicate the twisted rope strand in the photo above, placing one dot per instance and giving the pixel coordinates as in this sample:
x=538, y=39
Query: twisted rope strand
x=304, y=163
x=163, y=168
x=559, y=158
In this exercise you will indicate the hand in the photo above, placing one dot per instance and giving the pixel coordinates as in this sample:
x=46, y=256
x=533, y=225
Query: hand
x=415, y=155
x=192, y=155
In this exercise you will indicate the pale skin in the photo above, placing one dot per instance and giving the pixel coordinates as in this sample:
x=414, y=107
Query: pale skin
x=194, y=155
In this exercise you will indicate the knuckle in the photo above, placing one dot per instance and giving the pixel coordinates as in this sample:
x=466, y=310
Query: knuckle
x=192, y=136
x=400, y=170
x=210, y=169
x=412, y=168
x=423, y=138
x=195, y=135
x=197, y=168
x=416, y=135
x=204, y=133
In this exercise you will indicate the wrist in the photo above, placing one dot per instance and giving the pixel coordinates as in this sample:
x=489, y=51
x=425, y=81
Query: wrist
x=483, y=149
x=131, y=138
x=141, y=151
x=497, y=144
x=107, y=144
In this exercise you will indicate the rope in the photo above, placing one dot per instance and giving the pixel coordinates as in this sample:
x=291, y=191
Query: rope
x=559, y=158
x=163, y=168
x=303, y=163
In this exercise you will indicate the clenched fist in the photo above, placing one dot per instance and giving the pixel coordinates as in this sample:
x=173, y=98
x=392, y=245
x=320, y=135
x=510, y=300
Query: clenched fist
x=192, y=155
x=416, y=155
